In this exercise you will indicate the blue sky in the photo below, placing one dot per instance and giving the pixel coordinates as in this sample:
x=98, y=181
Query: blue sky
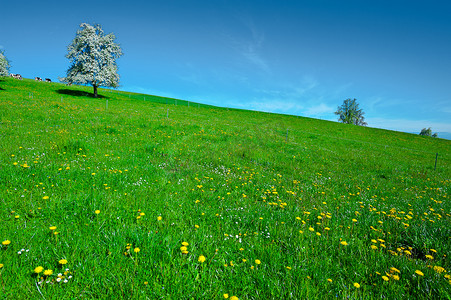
x=292, y=57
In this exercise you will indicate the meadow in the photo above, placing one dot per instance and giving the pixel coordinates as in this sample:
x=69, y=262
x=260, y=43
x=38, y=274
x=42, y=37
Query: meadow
x=135, y=196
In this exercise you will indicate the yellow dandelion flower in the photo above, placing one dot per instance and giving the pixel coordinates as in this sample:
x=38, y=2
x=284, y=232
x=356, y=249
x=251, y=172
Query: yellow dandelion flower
x=97, y=212
x=385, y=278
x=429, y=257
x=433, y=250
x=48, y=272
x=354, y=220
x=6, y=242
x=257, y=261
x=183, y=248
x=52, y=227
x=356, y=285
x=395, y=270
x=344, y=243
x=373, y=247
x=62, y=261
x=318, y=234
x=136, y=250
x=234, y=298
x=395, y=277
x=289, y=268
x=1, y=266
x=159, y=218
x=45, y=197
x=185, y=244
x=439, y=269
x=38, y=270
x=226, y=296
x=419, y=272
x=374, y=241
x=329, y=280
x=201, y=259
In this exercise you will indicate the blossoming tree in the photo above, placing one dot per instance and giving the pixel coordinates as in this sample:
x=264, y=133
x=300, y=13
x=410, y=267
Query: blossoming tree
x=92, y=56
x=4, y=64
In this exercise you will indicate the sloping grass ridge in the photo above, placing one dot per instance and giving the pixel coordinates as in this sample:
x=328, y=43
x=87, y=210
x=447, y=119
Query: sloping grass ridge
x=138, y=196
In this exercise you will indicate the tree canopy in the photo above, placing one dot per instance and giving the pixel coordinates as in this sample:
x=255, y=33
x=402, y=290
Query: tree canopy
x=92, y=55
x=4, y=64
x=350, y=113
x=427, y=132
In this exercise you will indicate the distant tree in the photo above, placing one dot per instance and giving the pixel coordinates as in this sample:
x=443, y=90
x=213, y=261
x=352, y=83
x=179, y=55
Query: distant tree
x=428, y=132
x=350, y=113
x=92, y=56
x=4, y=64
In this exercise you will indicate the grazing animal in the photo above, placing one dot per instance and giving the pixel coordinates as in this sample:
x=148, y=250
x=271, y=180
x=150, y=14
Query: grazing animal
x=17, y=76
x=38, y=78
x=48, y=80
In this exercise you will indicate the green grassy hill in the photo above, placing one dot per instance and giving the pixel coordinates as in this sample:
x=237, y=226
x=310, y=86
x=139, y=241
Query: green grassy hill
x=101, y=193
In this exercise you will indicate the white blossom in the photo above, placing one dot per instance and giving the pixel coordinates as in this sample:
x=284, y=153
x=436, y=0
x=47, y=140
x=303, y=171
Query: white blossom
x=4, y=64
x=92, y=56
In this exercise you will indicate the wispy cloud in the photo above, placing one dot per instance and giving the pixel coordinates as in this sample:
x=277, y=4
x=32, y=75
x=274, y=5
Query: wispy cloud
x=249, y=47
x=408, y=125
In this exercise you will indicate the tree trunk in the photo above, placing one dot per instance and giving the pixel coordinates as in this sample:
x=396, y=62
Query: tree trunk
x=95, y=90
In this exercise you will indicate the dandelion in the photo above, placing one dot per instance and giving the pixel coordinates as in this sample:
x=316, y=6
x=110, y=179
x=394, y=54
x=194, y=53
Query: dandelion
x=234, y=298
x=226, y=296
x=329, y=280
x=439, y=269
x=385, y=278
x=1, y=266
x=45, y=197
x=38, y=270
x=136, y=250
x=311, y=229
x=356, y=285
x=183, y=248
x=395, y=277
x=257, y=261
x=344, y=243
x=97, y=212
x=419, y=272
x=354, y=220
x=185, y=244
x=159, y=218
x=429, y=257
x=62, y=261
x=6, y=242
x=201, y=259
x=374, y=241
x=48, y=272
x=393, y=269
x=52, y=228
x=373, y=247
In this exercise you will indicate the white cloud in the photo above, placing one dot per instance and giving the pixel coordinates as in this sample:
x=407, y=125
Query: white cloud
x=408, y=125
x=319, y=110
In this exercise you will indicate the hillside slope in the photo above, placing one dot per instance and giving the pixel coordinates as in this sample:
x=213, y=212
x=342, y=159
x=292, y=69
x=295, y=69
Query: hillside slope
x=271, y=206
